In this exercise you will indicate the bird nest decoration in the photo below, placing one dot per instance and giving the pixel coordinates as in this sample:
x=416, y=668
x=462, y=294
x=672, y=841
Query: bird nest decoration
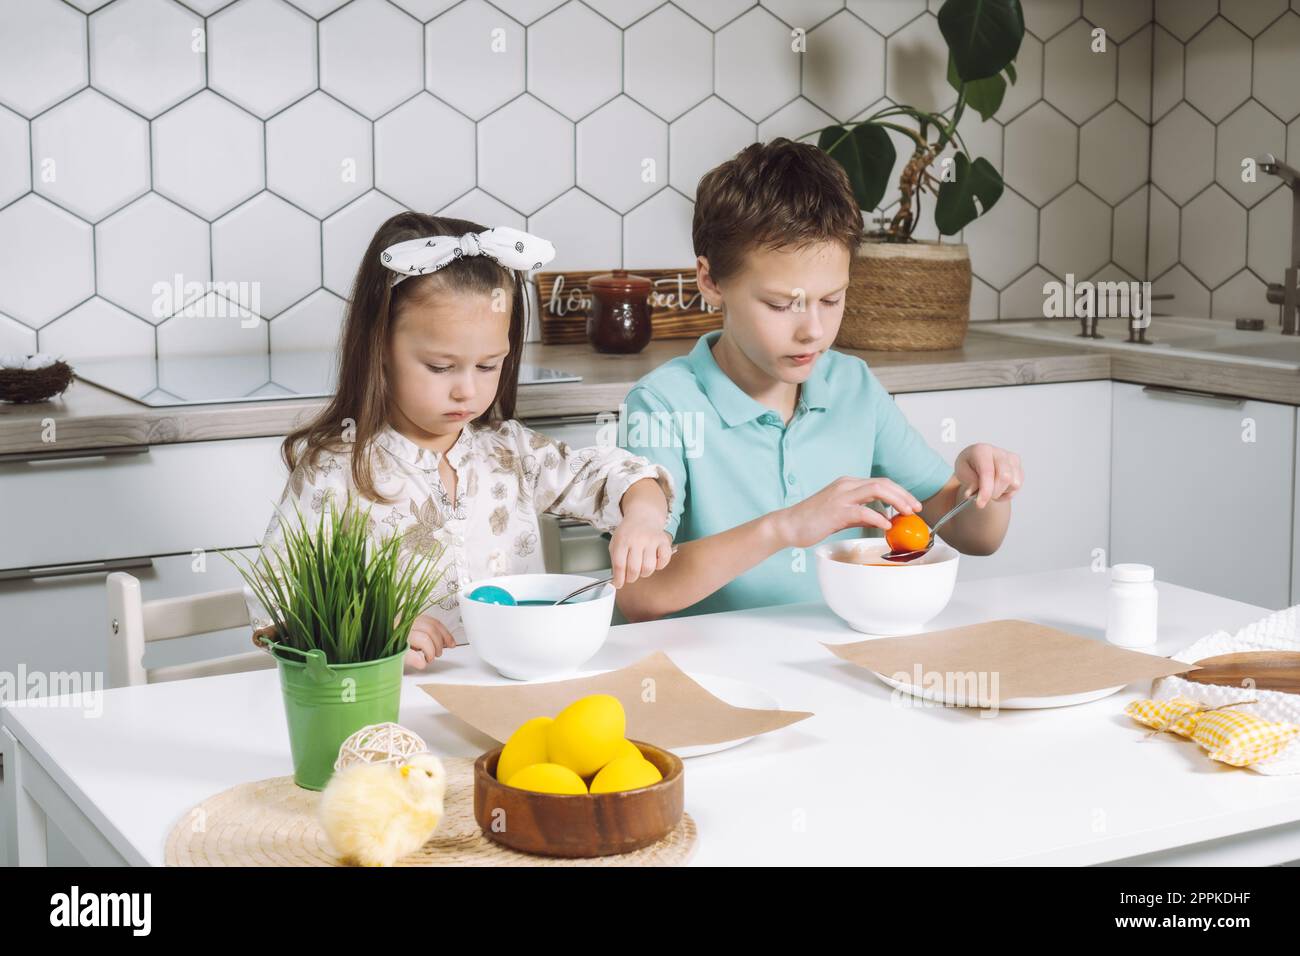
x=32, y=378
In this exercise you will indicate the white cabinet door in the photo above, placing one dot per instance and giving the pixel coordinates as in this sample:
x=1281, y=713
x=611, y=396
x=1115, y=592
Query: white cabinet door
x=69, y=520
x=125, y=502
x=1062, y=434
x=59, y=625
x=1201, y=489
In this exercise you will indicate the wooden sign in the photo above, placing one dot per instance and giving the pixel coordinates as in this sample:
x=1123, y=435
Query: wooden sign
x=677, y=311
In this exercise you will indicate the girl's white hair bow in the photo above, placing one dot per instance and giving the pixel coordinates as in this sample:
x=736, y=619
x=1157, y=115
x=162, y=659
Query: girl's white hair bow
x=512, y=248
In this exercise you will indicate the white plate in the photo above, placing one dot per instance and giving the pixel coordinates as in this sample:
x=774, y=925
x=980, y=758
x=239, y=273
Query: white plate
x=737, y=693
x=1014, y=703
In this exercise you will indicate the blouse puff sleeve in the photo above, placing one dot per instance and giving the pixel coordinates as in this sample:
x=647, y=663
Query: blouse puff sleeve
x=308, y=488
x=587, y=484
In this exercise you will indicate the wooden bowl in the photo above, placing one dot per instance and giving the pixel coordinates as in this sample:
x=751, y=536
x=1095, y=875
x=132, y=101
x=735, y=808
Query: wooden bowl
x=579, y=825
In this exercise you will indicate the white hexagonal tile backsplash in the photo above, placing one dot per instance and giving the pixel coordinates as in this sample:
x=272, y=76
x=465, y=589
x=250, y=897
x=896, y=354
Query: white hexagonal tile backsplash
x=474, y=58
x=622, y=154
x=147, y=54
x=208, y=155
x=1218, y=69
x=91, y=182
x=1113, y=153
x=754, y=68
x=668, y=93
x=42, y=54
x=15, y=156
x=586, y=232
x=182, y=155
x=137, y=272
x=266, y=254
x=262, y=55
x=371, y=56
x=1275, y=80
x=1041, y=153
x=35, y=286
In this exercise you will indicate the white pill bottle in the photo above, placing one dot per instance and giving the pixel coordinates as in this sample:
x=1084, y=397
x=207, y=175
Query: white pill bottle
x=1131, y=605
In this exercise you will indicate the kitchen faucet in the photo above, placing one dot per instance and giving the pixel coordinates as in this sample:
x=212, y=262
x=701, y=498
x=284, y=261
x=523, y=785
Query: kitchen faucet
x=1287, y=294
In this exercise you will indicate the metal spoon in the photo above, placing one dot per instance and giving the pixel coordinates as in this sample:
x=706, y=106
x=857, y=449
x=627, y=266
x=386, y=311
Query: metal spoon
x=588, y=587
x=913, y=555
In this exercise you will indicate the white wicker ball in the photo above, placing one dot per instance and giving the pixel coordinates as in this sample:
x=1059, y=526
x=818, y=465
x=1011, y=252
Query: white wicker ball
x=380, y=743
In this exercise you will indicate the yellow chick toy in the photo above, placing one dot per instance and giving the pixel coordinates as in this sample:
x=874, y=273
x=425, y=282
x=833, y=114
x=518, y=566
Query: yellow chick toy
x=374, y=813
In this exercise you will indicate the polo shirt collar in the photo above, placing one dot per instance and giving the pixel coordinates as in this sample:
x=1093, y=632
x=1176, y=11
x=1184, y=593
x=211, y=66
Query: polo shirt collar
x=816, y=392
x=733, y=405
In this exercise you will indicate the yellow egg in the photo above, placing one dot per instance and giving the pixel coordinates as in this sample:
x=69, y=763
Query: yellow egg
x=627, y=749
x=526, y=746
x=547, y=778
x=587, y=734
x=626, y=773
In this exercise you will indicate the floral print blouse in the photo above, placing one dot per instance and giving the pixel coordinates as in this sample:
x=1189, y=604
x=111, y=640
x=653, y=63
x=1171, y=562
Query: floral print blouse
x=506, y=475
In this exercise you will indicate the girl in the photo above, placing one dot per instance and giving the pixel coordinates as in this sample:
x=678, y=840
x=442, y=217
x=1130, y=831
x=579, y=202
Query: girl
x=422, y=430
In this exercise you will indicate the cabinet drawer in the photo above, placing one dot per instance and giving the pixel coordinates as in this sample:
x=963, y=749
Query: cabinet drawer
x=577, y=431
x=160, y=499
x=1201, y=488
x=583, y=549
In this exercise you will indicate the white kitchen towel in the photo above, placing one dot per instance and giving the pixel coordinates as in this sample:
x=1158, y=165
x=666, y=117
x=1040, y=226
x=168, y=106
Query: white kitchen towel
x=1280, y=631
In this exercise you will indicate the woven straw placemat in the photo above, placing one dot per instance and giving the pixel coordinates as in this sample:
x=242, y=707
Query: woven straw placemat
x=273, y=823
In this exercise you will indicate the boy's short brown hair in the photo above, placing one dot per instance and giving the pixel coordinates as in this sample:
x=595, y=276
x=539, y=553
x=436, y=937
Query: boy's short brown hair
x=780, y=194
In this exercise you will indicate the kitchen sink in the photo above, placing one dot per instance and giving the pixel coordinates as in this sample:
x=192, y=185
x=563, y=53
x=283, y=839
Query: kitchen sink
x=1169, y=335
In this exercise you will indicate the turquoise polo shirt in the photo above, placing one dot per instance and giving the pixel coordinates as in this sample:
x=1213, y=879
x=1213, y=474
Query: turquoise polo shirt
x=732, y=459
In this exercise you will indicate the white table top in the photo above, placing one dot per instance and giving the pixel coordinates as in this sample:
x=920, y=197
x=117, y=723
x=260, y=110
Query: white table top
x=864, y=781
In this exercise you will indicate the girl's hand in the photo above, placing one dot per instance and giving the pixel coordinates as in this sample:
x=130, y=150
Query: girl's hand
x=639, y=547
x=993, y=472
x=429, y=637
x=840, y=505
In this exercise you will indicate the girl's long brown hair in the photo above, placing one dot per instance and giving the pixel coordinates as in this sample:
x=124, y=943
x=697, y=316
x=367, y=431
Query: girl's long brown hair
x=360, y=407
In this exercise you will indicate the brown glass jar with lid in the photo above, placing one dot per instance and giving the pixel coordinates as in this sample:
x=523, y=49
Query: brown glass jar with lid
x=619, y=318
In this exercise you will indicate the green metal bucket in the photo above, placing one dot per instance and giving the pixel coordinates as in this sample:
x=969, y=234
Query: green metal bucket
x=327, y=703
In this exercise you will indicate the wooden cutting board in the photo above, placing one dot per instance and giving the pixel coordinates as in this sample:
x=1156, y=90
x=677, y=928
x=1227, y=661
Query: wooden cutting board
x=1267, y=670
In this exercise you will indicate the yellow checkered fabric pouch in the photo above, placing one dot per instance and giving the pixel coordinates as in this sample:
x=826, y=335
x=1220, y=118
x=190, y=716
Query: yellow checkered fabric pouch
x=1160, y=714
x=1241, y=739
x=1229, y=736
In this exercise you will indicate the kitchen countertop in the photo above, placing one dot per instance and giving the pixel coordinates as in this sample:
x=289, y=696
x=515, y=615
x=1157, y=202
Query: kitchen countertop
x=87, y=416
x=867, y=780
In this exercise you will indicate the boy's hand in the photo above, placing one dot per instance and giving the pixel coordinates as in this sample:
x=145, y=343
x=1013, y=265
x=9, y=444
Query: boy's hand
x=993, y=472
x=429, y=637
x=639, y=546
x=840, y=505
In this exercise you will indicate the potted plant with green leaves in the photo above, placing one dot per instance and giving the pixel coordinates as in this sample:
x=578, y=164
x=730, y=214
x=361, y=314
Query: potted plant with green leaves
x=342, y=604
x=904, y=293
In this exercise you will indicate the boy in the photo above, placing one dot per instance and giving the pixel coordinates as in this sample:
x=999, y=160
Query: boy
x=777, y=442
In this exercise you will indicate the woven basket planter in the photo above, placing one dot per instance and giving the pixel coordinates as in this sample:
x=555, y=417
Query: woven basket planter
x=905, y=297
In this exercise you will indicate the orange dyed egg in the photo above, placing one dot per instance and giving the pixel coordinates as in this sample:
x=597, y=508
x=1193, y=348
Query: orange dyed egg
x=907, y=533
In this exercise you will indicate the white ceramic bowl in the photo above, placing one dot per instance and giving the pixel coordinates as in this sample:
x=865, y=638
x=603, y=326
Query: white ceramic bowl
x=526, y=643
x=885, y=600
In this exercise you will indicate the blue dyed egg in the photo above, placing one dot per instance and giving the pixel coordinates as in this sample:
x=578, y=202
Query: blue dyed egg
x=491, y=594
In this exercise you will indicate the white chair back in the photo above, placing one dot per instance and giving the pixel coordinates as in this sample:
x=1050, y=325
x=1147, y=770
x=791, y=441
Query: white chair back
x=134, y=623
